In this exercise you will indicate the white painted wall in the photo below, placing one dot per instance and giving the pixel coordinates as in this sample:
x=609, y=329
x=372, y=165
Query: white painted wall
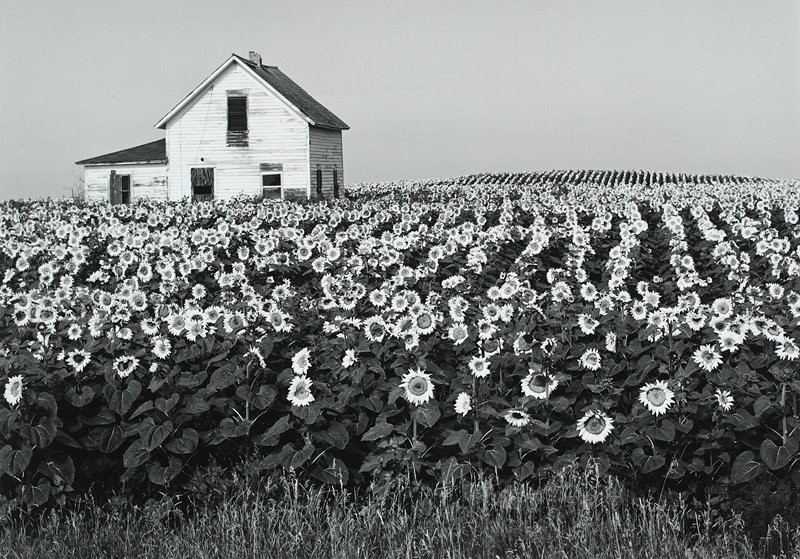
x=147, y=180
x=197, y=137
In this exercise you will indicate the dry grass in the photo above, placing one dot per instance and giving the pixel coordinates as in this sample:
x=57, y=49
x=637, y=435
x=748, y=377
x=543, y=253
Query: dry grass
x=572, y=516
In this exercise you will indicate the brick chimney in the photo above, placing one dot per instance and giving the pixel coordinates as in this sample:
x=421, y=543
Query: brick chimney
x=255, y=58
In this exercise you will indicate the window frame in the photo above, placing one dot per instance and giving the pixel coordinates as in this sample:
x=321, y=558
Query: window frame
x=228, y=107
x=213, y=183
x=237, y=137
x=122, y=189
x=271, y=173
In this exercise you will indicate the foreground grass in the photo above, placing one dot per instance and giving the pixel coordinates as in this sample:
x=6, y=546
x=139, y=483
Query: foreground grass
x=572, y=516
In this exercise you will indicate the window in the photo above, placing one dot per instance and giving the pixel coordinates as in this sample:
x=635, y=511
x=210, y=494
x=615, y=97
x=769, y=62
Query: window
x=125, y=188
x=319, y=183
x=335, y=183
x=202, y=183
x=237, y=113
x=237, y=120
x=271, y=185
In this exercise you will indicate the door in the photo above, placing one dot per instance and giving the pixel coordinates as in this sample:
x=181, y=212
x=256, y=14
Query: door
x=115, y=189
x=202, y=183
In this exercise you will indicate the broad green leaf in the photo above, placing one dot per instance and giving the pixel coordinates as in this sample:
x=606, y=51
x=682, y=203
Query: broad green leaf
x=35, y=495
x=745, y=468
x=185, y=444
x=777, y=457
x=495, y=456
x=377, y=431
x=135, y=455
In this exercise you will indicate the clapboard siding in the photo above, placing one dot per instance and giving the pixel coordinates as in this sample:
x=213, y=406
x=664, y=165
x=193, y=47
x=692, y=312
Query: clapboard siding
x=326, y=154
x=197, y=137
x=147, y=181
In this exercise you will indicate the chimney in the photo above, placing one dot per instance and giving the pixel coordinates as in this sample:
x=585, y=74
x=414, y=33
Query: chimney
x=255, y=58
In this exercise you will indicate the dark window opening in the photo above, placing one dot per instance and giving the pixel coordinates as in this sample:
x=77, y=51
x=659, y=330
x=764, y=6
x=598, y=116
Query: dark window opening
x=237, y=113
x=335, y=183
x=202, y=183
x=319, y=183
x=271, y=179
x=125, y=188
x=237, y=121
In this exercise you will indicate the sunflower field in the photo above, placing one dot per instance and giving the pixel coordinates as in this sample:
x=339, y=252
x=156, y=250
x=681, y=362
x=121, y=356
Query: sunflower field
x=640, y=324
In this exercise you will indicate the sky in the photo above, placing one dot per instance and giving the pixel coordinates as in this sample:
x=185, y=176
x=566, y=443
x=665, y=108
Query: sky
x=429, y=88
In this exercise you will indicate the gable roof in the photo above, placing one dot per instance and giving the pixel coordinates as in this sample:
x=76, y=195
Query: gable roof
x=152, y=152
x=296, y=95
x=278, y=83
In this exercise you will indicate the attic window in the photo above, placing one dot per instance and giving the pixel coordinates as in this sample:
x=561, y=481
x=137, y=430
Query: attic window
x=237, y=120
x=237, y=113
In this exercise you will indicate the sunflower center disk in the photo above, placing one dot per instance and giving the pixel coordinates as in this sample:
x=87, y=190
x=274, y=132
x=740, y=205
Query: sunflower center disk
x=595, y=425
x=417, y=387
x=656, y=396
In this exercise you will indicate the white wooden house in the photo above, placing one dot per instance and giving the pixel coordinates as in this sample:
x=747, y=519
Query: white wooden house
x=246, y=129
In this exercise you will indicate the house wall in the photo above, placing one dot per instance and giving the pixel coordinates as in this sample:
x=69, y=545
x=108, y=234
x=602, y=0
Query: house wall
x=197, y=137
x=326, y=154
x=148, y=180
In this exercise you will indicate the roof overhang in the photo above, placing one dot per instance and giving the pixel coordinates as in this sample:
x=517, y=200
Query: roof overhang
x=233, y=59
x=120, y=163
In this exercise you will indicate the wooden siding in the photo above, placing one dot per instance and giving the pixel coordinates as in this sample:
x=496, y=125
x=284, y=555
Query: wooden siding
x=147, y=180
x=197, y=137
x=326, y=154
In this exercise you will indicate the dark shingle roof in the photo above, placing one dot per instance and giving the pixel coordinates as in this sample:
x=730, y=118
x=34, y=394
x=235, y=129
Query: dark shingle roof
x=153, y=151
x=296, y=95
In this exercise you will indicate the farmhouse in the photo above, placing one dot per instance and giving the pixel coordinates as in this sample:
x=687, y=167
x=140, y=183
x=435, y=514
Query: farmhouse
x=247, y=129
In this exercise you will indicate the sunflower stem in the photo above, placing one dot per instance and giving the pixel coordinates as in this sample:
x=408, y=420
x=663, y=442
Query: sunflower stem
x=475, y=425
x=783, y=411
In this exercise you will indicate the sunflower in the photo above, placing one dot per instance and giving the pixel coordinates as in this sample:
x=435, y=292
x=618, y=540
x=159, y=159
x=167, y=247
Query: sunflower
x=656, y=397
x=458, y=333
x=463, y=404
x=590, y=359
x=74, y=332
x=161, y=347
x=729, y=340
x=13, y=392
x=425, y=322
x=787, y=349
x=517, y=418
x=587, y=324
x=538, y=385
x=349, y=358
x=724, y=399
x=722, y=307
x=301, y=362
x=374, y=329
x=479, y=366
x=299, y=391
x=78, y=359
x=707, y=357
x=125, y=365
x=595, y=426
x=418, y=387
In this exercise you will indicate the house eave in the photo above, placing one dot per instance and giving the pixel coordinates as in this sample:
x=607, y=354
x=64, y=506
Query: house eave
x=117, y=163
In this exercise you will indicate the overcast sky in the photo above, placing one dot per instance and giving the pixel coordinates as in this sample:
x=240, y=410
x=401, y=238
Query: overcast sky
x=429, y=88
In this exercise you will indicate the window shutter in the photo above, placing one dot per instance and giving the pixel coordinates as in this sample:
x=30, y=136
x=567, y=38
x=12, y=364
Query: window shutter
x=115, y=188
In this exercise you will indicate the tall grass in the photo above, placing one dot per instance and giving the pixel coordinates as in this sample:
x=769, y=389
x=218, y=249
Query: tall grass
x=572, y=516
